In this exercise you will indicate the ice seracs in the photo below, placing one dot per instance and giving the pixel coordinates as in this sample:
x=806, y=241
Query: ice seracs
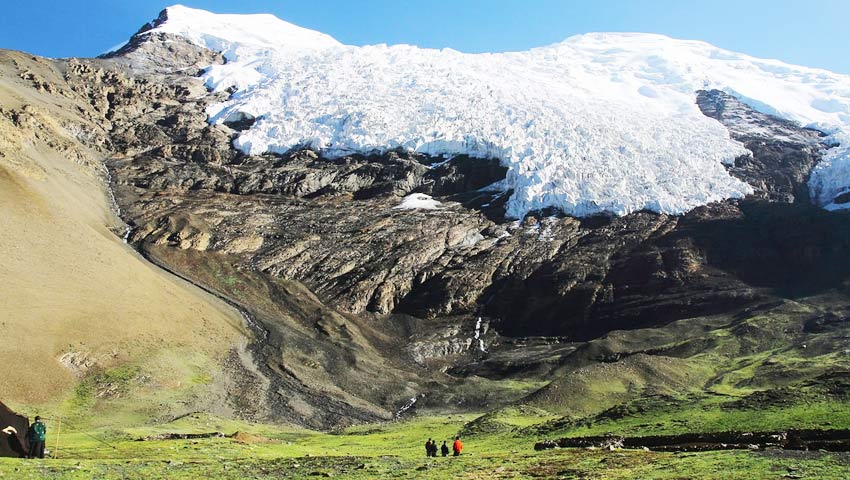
x=599, y=122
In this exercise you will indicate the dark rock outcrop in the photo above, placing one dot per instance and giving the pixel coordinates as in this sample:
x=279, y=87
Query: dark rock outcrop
x=783, y=153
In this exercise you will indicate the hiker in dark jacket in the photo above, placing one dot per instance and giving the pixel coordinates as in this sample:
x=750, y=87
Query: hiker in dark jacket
x=428, y=447
x=444, y=449
x=36, y=436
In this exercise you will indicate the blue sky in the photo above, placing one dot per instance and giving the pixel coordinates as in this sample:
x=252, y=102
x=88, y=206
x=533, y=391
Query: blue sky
x=813, y=33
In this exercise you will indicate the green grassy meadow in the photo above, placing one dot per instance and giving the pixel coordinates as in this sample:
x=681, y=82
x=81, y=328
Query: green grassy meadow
x=395, y=450
x=762, y=372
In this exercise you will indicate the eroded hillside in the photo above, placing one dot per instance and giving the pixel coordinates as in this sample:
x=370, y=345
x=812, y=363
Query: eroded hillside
x=76, y=300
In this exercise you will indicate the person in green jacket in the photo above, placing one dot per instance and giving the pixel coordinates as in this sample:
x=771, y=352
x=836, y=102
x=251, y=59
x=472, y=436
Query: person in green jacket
x=36, y=436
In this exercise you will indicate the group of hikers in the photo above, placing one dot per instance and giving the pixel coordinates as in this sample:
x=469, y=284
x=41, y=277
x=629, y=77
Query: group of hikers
x=37, y=435
x=431, y=448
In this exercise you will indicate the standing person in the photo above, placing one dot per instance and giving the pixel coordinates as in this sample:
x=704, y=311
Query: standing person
x=36, y=436
x=433, y=451
x=444, y=449
x=457, y=447
x=428, y=448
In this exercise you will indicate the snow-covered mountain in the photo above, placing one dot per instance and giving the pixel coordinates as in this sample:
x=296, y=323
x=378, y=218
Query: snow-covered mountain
x=602, y=122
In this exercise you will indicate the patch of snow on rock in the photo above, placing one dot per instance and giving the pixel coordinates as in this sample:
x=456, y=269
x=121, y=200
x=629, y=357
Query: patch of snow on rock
x=602, y=122
x=418, y=201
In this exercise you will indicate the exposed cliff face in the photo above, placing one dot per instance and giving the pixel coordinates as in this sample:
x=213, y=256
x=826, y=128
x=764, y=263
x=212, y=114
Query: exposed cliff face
x=783, y=153
x=360, y=306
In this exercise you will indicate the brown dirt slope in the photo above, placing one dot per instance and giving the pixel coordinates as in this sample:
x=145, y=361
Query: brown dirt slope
x=74, y=298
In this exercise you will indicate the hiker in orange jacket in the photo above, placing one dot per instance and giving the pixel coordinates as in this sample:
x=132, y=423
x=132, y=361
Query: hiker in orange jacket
x=457, y=447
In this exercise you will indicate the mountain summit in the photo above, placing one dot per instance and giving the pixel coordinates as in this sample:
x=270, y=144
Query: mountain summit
x=223, y=32
x=602, y=122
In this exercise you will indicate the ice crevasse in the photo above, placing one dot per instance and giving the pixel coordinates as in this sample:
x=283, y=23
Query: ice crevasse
x=601, y=122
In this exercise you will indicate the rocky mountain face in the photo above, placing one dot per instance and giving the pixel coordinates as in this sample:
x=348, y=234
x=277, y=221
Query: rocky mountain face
x=359, y=308
x=333, y=226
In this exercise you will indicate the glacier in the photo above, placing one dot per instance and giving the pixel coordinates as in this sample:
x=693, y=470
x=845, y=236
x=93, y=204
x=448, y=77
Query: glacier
x=601, y=122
